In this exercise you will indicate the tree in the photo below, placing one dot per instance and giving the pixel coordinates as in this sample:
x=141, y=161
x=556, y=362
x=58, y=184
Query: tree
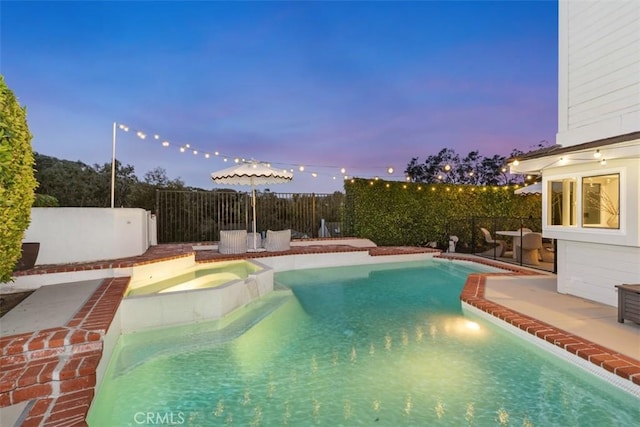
x=473, y=169
x=143, y=195
x=17, y=181
x=71, y=183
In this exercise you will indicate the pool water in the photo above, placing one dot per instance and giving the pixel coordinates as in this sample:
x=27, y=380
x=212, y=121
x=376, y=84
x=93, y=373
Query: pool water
x=383, y=345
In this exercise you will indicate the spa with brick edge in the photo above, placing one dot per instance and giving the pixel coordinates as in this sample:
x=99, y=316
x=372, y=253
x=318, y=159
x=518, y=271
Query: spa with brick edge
x=55, y=369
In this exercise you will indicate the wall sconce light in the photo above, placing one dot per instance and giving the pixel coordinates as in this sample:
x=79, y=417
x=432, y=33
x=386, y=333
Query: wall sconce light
x=597, y=154
x=603, y=162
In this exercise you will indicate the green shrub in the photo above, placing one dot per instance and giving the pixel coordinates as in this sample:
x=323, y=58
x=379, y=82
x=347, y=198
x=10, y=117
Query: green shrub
x=45, y=201
x=17, y=182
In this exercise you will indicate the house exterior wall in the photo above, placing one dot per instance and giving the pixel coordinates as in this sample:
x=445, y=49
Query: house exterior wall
x=629, y=232
x=598, y=70
x=591, y=261
x=598, y=98
x=591, y=270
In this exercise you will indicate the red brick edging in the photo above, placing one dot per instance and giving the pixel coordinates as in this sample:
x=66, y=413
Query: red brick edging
x=56, y=368
x=619, y=364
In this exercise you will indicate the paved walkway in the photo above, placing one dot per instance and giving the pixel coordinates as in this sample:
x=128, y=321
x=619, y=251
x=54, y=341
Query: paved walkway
x=48, y=307
x=536, y=296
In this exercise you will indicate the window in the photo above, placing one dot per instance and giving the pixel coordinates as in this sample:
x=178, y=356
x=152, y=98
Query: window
x=562, y=202
x=601, y=201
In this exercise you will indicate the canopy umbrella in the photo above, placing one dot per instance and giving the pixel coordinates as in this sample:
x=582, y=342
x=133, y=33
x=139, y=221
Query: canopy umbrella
x=530, y=189
x=252, y=173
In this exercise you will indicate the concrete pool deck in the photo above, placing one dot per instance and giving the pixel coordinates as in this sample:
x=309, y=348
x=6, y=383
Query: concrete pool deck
x=50, y=364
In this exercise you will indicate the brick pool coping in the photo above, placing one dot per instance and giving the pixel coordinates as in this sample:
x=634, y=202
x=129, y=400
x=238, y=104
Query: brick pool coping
x=55, y=369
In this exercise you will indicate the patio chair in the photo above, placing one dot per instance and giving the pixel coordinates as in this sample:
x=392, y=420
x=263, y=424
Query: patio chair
x=278, y=241
x=232, y=242
x=528, y=250
x=499, y=245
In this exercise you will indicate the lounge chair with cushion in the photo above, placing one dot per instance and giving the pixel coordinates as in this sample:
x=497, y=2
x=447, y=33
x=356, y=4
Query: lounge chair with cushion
x=498, y=245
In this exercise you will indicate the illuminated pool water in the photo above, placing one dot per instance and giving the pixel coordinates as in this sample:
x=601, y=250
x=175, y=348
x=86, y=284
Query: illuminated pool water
x=368, y=345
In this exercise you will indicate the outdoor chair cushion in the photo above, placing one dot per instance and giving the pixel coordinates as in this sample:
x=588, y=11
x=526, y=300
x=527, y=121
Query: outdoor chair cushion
x=233, y=242
x=278, y=240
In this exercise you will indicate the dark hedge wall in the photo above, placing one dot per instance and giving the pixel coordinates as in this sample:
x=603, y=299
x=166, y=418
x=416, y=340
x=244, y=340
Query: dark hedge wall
x=395, y=213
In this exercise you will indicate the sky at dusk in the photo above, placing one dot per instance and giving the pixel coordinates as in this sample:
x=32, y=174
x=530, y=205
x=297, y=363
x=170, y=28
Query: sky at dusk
x=324, y=85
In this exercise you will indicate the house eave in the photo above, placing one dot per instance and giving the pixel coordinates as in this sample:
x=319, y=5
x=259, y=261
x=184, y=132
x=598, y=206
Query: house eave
x=619, y=147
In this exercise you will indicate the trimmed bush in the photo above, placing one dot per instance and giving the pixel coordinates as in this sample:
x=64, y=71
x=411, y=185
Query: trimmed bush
x=17, y=181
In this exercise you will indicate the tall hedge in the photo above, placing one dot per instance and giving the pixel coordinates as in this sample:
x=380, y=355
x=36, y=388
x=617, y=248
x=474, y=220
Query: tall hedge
x=398, y=214
x=17, y=181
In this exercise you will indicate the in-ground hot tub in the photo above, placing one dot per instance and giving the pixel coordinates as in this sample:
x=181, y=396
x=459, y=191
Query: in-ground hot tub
x=198, y=277
x=179, y=293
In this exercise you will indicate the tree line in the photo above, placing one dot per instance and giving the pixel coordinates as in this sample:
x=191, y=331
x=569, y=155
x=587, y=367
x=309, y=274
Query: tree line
x=77, y=184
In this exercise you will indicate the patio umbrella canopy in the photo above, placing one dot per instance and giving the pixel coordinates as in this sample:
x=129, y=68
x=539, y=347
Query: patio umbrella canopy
x=530, y=189
x=252, y=173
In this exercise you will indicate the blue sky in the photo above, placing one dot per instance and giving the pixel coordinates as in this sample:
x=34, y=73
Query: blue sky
x=326, y=85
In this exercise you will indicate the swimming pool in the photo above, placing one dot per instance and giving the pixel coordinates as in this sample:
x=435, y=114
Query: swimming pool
x=379, y=344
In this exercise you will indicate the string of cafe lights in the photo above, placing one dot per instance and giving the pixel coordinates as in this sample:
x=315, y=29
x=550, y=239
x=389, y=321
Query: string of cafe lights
x=313, y=170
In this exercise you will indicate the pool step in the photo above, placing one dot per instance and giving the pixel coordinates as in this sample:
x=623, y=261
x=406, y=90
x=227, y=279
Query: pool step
x=137, y=348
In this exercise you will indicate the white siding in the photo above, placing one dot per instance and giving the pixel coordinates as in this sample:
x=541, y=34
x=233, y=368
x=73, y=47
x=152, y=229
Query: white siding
x=599, y=81
x=591, y=270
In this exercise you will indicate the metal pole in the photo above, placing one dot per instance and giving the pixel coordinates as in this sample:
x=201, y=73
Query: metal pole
x=113, y=166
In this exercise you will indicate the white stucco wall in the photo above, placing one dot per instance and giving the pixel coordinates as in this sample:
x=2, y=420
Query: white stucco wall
x=88, y=234
x=598, y=70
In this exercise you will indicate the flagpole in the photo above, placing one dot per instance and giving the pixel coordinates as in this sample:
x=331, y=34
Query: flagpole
x=113, y=166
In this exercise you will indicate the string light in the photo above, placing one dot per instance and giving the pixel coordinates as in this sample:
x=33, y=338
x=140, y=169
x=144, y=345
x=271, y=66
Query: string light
x=302, y=168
